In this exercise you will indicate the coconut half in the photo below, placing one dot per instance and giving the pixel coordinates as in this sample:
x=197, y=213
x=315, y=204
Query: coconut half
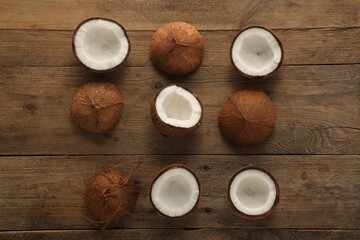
x=177, y=48
x=97, y=107
x=253, y=192
x=175, y=191
x=247, y=117
x=111, y=195
x=100, y=44
x=256, y=52
x=176, y=111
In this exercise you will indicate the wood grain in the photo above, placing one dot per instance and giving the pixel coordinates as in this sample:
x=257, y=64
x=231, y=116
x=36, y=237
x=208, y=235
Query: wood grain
x=316, y=94
x=310, y=117
x=47, y=192
x=148, y=15
x=172, y=234
x=309, y=46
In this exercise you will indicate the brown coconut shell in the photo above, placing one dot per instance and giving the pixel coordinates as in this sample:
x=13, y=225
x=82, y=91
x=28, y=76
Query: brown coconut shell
x=177, y=48
x=266, y=75
x=165, y=169
x=247, y=117
x=77, y=57
x=97, y=107
x=277, y=198
x=167, y=129
x=111, y=195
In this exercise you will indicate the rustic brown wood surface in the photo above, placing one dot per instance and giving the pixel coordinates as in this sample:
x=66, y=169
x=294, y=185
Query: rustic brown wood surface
x=175, y=234
x=205, y=15
x=46, y=192
x=314, y=151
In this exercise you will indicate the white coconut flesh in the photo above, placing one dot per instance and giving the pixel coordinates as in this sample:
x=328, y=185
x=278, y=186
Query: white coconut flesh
x=175, y=192
x=256, y=52
x=101, y=44
x=178, y=107
x=253, y=192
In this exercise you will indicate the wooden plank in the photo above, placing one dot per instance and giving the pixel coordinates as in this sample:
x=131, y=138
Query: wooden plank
x=172, y=234
x=317, y=112
x=309, y=46
x=47, y=192
x=148, y=15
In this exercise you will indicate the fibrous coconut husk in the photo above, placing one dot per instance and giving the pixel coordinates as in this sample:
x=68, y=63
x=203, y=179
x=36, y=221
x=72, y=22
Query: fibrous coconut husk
x=177, y=48
x=111, y=195
x=247, y=117
x=167, y=129
x=97, y=107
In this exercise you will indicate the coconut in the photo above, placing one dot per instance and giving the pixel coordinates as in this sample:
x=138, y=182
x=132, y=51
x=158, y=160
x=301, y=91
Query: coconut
x=256, y=52
x=97, y=107
x=247, y=117
x=175, y=191
x=253, y=192
x=177, y=48
x=110, y=195
x=176, y=111
x=100, y=44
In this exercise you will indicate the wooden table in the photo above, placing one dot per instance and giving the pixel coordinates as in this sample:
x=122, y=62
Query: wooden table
x=313, y=152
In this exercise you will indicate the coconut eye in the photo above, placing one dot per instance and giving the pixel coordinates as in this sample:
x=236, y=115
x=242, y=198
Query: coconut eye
x=100, y=44
x=253, y=192
x=176, y=111
x=256, y=52
x=247, y=117
x=175, y=191
x=177, y=48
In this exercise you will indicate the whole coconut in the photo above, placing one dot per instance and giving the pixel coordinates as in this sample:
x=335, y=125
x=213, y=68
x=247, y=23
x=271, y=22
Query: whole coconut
x=111, y=195
x=177, y=48
x=247, y=117
x=97, y=107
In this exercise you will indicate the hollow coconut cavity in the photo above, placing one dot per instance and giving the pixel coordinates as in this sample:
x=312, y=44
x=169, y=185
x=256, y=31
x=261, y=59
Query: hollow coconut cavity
x=175, y=191
x=100, y=44
x=253, y=192
x=176, y=111
x=97, y=107
x=247, y=117
x=256, y=52
x=177, y=48
x=110, y=195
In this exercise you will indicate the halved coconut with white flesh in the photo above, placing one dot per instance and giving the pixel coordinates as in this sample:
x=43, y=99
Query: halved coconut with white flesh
x=176, y=111
x=100, y=44
x=175, y=191
x=254, y=192
x=256, y=52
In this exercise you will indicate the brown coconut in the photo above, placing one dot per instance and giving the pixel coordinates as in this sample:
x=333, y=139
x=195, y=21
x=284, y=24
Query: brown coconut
x=167, y=129
x=277, y=198
x=177, y=48
x=97, y=107
x=111, y=195
x=247, y=117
